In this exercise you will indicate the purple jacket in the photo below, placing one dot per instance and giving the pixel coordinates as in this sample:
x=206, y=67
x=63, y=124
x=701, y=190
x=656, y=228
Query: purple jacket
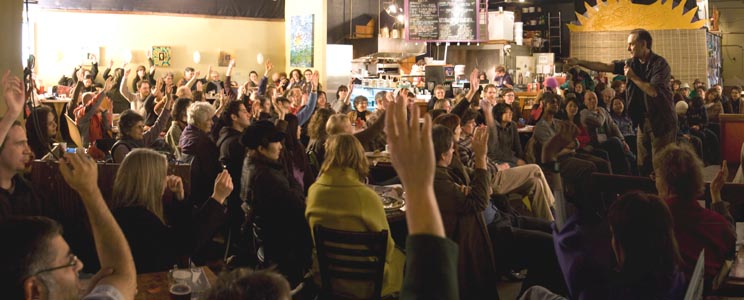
x=588, y=265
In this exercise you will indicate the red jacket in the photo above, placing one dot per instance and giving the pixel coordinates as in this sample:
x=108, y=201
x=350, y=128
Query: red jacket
x=696, y=228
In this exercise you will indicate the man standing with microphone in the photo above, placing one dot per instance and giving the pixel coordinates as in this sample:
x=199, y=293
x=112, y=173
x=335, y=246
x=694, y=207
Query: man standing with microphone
x=649, y=97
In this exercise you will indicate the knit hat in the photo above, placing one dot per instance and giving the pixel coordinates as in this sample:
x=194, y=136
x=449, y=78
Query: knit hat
x=551, y=82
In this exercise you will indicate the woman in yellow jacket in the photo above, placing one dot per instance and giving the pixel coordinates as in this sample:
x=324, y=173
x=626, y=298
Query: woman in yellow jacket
x=340, y=200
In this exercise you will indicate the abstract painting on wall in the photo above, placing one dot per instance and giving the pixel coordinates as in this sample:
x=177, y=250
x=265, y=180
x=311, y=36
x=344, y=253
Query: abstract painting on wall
x=301, y=41
x=161, y=56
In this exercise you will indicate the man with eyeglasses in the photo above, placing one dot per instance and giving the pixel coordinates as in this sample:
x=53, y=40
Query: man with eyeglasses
x=39, y=263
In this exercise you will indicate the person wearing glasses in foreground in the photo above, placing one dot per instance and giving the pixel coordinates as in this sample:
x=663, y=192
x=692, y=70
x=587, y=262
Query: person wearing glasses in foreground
x=40, y=264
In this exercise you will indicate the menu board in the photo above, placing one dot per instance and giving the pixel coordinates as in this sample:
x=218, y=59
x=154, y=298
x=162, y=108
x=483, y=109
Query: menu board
x=442, y=20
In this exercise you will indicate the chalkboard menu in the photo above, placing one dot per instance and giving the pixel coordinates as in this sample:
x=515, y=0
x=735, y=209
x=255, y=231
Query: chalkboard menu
x=268, y=9
x=442, y=20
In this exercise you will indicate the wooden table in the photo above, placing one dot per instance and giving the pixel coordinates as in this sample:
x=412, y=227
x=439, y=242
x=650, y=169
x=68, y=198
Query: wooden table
x=154, y=286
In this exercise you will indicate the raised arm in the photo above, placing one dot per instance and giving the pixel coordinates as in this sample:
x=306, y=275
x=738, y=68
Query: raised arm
x=14, y=99
x=593, y=65
x=193, y=79
x=124, y=89
x=304, y=115
x=412, y=156
x=81, y=173
x=431, y=259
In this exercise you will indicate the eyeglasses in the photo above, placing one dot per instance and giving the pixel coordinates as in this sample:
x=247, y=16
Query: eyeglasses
x=72, y=263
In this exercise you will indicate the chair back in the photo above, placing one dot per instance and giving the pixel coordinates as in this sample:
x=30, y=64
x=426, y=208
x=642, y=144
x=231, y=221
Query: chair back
x=354, y=256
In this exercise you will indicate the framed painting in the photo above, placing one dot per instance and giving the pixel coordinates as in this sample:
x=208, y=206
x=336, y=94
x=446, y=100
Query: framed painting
x=301, y=41
x=161, y=56
x=225, y=57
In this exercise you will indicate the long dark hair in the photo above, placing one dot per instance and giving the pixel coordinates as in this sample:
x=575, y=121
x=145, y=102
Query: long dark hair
x=643, y=230
x=36, y=130
x=498, y=112
x=293, y=148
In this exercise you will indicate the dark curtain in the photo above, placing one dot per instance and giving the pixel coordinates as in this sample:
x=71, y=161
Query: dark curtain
x=265, y=9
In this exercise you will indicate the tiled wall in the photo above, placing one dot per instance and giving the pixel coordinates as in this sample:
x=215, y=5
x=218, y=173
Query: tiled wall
x=685, y=50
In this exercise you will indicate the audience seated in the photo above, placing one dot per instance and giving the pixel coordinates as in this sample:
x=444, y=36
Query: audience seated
x=132, y=132
x=91, y=118
x=198, y=148
x=621, y=118
x=503, y=142
x=136, y=202
x=643, y=247
x=697, y=118
x=41, y=265
x=277, y=204
x=343, y=94
x=179, y=116
x=340, y=200
x=41, y=128
x=679, y=180
x=235, y=118
x=293, y=154
x=584, y=149
x=462, y=200
x=527, y=179
x=576, y=172
x=17, y=196
x=316, y=130
x=604, y=134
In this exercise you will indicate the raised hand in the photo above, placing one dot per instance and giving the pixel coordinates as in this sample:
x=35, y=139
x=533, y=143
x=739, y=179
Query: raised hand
x=223, y=186
x=159, y=88
x=411, y=148
x=267, y=67
x=109, y=84
x=175, y=185
x=169, y=88
x=231, y=64
x=209, y=72
x=412, y=154
x=314, y=81
x=717, y=184
x=197, y=72
x=566, y=133
x=474, y=79
x=111, y=63
x=480, y=142
x=126, y=72
x=80, y=172
x=13, y=93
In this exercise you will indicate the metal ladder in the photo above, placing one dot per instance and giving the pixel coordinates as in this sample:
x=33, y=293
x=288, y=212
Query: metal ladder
x=555, y=34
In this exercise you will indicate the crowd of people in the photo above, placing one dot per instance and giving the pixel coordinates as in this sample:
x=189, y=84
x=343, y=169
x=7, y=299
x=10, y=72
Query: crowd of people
x=273, y=158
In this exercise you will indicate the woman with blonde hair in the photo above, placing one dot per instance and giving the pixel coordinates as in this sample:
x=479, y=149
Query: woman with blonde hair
x=159, y=241
x=340, y=200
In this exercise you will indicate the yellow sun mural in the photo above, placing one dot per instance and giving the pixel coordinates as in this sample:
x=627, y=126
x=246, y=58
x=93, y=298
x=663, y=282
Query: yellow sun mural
x=623, y=15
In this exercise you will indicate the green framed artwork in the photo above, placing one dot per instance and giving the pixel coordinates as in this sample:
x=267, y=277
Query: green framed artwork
x=161, y=56
x=301, y=41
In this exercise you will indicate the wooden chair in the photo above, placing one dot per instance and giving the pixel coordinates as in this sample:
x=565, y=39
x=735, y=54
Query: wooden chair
x=352, y=256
